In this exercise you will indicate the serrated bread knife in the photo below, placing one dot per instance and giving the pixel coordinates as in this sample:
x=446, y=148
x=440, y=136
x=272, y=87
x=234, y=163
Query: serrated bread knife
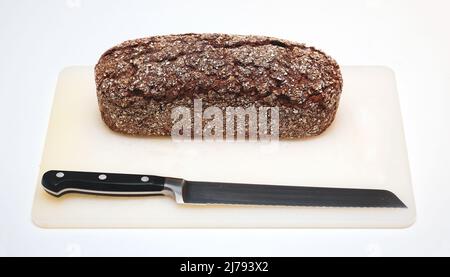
x=59, y=182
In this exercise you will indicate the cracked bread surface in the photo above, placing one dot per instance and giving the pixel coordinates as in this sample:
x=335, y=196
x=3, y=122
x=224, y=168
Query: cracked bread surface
x=140, y=81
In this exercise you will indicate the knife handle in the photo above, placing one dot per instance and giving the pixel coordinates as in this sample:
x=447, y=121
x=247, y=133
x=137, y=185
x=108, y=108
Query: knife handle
x=59, y=182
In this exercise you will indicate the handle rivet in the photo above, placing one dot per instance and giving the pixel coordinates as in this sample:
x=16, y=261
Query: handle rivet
x=145, y=179
x=59, y=174
x=102, y=177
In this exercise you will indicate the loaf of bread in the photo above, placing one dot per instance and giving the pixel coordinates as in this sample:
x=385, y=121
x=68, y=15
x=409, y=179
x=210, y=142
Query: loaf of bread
x=140, y=82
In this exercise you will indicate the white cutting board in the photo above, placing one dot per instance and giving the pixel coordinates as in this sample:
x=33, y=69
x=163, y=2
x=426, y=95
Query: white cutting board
x=364, y=148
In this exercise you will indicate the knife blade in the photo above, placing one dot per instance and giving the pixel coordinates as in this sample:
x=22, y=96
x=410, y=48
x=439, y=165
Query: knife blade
x=60, y=182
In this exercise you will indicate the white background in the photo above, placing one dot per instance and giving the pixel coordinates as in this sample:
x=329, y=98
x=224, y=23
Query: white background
x=39, y=38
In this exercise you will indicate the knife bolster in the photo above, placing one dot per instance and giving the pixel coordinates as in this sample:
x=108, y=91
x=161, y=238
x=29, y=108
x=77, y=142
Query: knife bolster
x=173, y=187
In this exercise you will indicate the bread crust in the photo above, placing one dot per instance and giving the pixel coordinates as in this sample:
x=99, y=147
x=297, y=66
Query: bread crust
x=140, y=81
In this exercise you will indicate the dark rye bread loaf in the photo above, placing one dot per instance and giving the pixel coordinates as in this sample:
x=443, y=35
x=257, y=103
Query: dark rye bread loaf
x=140, y=81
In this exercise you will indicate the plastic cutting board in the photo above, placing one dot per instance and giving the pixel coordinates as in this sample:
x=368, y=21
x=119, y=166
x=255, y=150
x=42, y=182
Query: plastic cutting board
x=364, y=148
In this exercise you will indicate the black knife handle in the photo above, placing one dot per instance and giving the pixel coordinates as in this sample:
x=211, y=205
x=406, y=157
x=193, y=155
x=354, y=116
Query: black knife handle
x=59, y=182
